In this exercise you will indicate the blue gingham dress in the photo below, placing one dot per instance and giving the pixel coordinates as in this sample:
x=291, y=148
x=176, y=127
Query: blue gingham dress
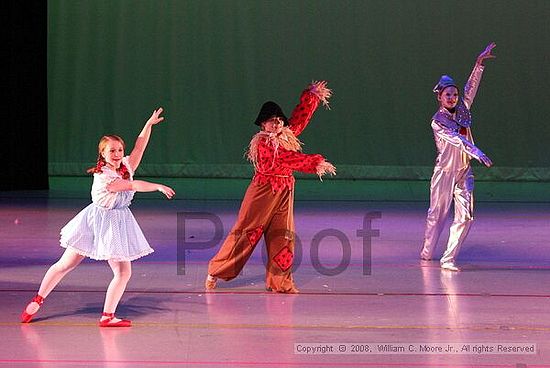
x=106, y=229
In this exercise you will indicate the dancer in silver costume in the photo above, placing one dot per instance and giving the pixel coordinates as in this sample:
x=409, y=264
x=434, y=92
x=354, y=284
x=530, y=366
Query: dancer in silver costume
x=452, y=176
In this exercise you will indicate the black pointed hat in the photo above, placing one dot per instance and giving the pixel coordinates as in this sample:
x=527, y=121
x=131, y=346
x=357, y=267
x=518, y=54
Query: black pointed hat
x=270, y=109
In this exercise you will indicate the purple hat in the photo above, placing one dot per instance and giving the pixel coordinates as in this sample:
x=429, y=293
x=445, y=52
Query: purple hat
x=444, y=82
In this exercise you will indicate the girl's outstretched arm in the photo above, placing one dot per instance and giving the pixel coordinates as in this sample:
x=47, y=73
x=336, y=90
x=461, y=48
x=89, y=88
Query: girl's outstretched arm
x=143, y=139
x=315, y=93
x=470, y=89
x=121, y=185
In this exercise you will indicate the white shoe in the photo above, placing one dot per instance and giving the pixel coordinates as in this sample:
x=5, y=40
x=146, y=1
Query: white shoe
x=210, y=282
x=450, y=266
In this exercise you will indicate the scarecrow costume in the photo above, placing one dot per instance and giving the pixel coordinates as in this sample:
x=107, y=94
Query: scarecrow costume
x=267, y=207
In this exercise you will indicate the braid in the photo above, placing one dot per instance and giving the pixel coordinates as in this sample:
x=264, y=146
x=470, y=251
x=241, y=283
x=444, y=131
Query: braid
x=98, y=168
x=123, y=171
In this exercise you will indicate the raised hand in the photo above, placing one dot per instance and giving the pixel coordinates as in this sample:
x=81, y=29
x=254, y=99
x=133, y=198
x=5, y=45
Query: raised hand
x=155, y=117
x=321, y=90
x=143, y=138
x=486, y=54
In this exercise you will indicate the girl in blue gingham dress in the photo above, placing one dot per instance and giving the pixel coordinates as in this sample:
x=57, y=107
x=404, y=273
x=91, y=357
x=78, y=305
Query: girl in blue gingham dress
x=106, y=229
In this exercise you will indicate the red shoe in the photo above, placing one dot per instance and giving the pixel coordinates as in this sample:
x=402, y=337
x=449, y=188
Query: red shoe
x=107, y=321
x=26, y=317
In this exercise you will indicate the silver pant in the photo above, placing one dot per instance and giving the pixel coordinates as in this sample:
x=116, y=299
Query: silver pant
x=444, y=187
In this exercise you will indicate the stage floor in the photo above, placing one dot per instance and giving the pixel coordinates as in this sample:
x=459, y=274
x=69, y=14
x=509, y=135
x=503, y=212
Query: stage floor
x=366, y=299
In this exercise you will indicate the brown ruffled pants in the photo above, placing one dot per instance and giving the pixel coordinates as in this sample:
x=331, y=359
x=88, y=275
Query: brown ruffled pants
x=264, y=213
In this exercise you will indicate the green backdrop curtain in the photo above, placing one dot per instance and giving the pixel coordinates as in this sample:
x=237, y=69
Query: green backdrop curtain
x=211, y=64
